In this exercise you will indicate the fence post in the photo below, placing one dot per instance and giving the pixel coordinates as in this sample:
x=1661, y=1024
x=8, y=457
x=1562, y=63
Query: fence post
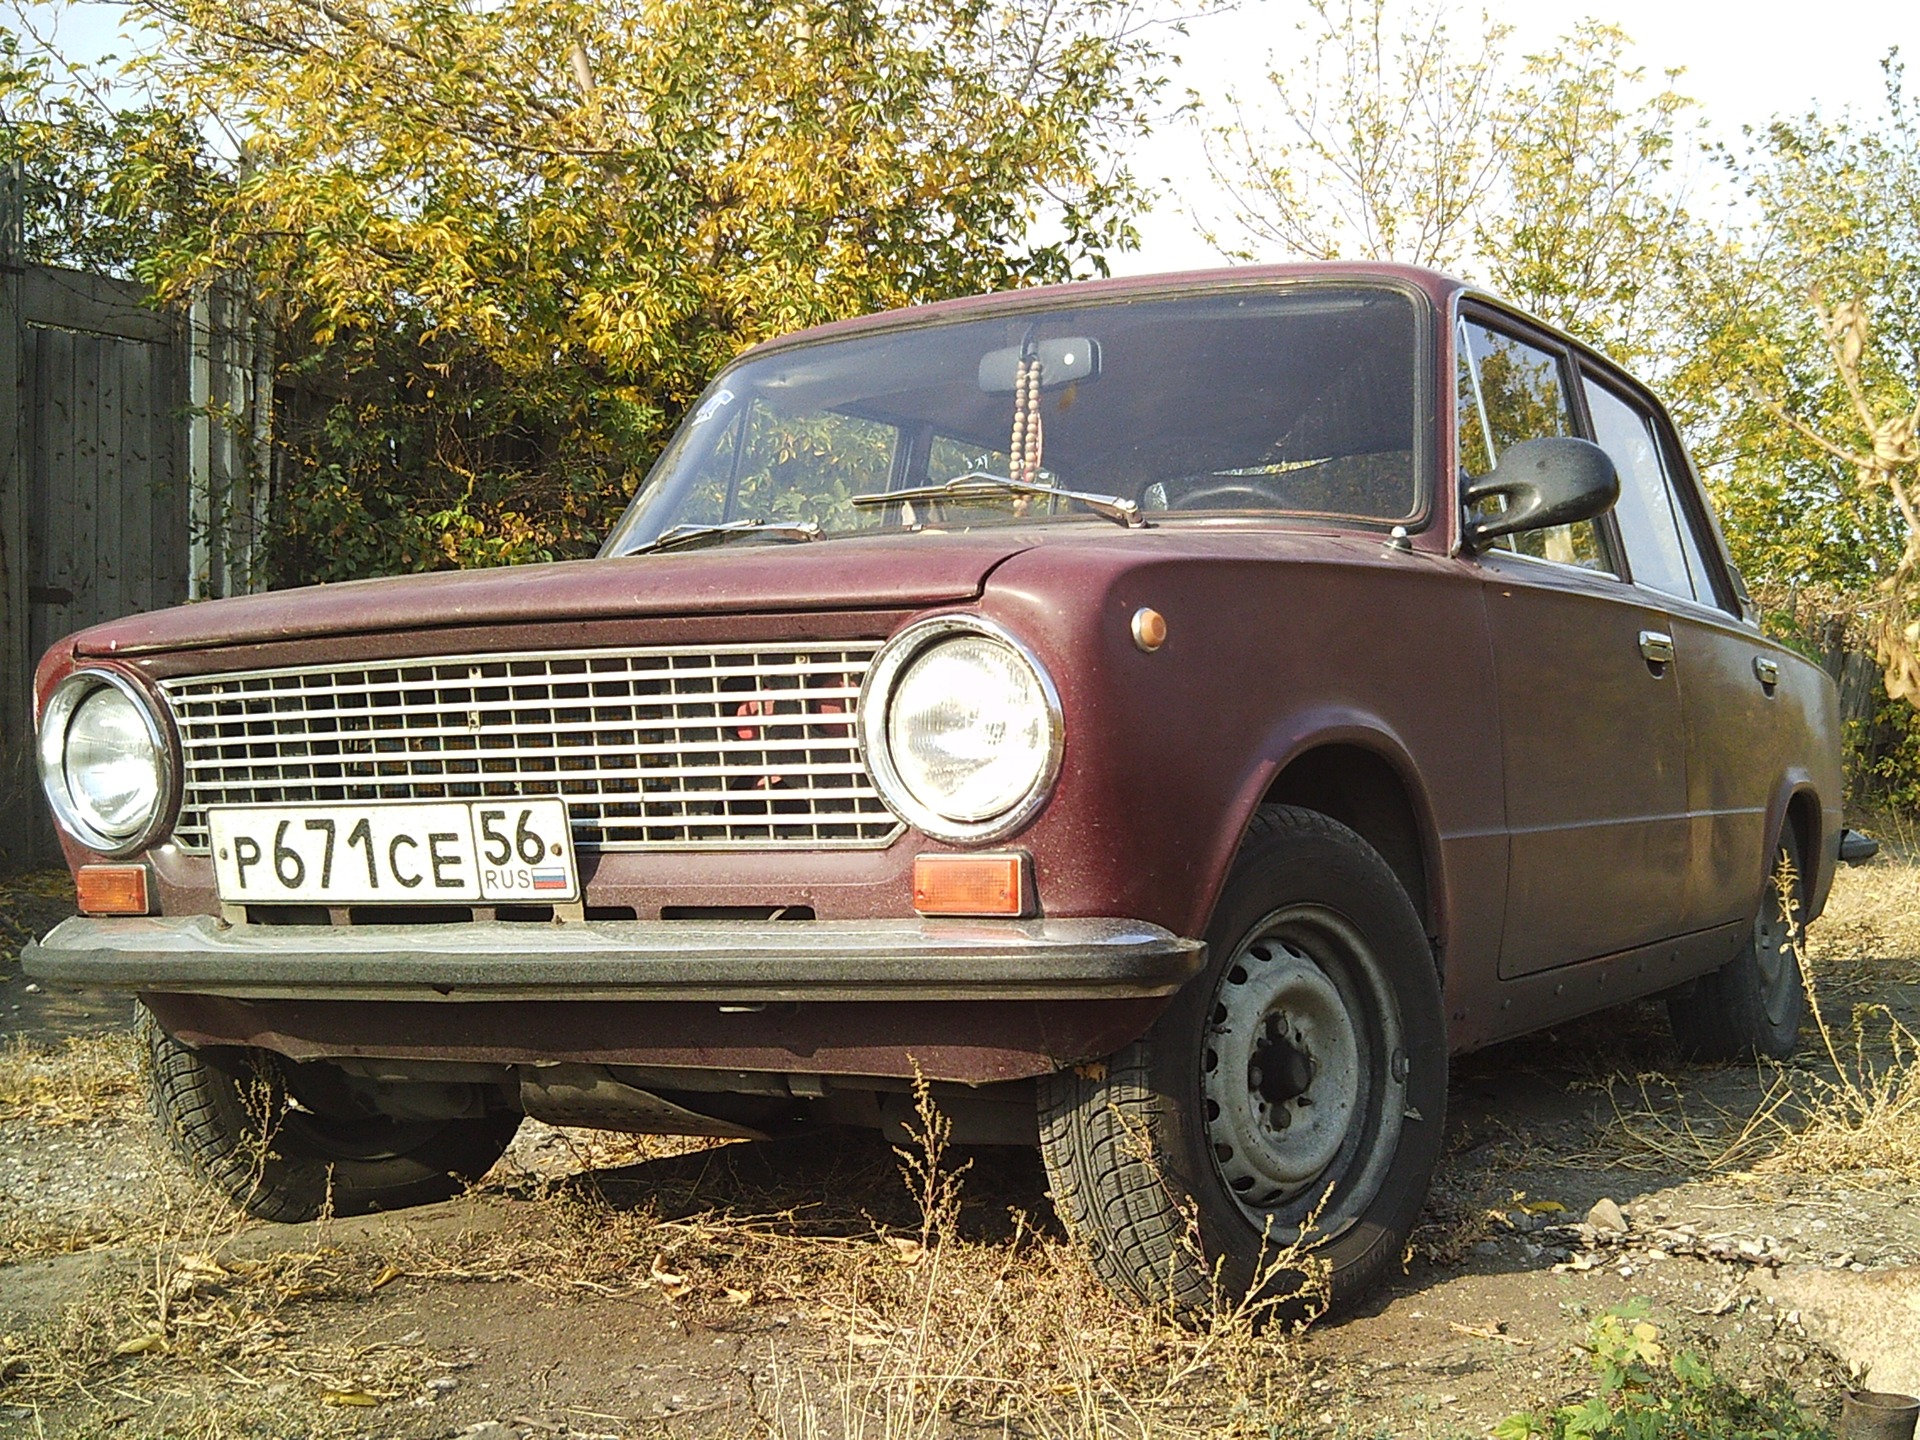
x=18, y=780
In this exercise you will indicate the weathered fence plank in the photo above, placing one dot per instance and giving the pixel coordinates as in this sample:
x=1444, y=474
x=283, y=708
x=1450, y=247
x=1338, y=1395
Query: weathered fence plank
x=124, y=484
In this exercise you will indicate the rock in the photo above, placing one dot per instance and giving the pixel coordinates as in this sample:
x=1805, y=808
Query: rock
x=490, y=1430
x=1607, y=1217
x=1871, y=1321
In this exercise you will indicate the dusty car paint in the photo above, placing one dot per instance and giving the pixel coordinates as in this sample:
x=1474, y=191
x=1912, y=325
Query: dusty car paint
x=1473, y=709
x=1320, y=795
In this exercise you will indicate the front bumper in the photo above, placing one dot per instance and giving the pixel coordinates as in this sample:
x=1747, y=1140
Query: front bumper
x=748, y=961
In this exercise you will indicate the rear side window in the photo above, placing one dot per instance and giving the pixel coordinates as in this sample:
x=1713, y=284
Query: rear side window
x=1509, y=391
x=1663, y=551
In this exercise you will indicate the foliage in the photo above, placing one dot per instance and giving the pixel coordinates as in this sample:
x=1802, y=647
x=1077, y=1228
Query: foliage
x=1393, y=139
x=1384, y=149
x=1644, y=1392
x=1805, y=372
x=95, y=183
x=504, y=244
x=1590, y=227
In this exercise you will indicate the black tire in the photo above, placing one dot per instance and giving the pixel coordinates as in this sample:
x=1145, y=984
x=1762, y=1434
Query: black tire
x=1313, y=928
x=229, y=1114
x=1752, y=1006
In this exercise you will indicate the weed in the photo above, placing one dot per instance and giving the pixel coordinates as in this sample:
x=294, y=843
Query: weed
x=1643, y=1392
x=934, y=1187
x=1866, y=1114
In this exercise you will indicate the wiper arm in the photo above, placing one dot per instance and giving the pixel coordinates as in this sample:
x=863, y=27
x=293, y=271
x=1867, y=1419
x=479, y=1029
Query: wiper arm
x=991, y=487
x=686, y=537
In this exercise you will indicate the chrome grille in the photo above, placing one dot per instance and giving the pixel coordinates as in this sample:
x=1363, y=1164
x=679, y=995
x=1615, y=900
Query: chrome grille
x=717, y=747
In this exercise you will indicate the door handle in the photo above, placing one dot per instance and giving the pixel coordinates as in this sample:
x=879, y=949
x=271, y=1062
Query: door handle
x=1766, y=671
x=1657, y=647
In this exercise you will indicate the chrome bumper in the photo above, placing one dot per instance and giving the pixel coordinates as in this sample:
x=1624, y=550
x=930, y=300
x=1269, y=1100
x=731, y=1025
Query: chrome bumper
x=738, y=960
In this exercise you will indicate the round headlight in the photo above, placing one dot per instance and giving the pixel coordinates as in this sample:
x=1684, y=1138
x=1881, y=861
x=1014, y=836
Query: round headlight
x=103, y=761
x=961, y=729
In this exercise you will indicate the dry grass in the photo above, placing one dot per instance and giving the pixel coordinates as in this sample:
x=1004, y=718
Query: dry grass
x=1662, y=1124
x=914, y=1310
x=29, y=900
x=1863, y=1112
x=1020, y=1335
x=1869, y=935
x=1849, y=1105
x=86, y=1078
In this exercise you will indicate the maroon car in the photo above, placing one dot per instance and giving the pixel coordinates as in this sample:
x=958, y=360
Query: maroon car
x=1170, y=716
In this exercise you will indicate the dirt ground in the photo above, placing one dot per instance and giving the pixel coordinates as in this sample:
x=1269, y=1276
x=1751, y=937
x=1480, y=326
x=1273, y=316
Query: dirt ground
x=607, y=1286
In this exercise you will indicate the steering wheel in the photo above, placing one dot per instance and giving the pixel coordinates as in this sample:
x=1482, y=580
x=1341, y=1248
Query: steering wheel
x=1227, y=489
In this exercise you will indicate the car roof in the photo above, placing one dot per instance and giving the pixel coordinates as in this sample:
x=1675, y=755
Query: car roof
x=1439, y=287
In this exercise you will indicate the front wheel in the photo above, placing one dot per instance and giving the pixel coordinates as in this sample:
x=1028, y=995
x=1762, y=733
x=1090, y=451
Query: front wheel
x=239, y=1122
x=1289, y=1102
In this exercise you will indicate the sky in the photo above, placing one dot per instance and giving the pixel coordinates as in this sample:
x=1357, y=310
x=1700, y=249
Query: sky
x=1744, y=62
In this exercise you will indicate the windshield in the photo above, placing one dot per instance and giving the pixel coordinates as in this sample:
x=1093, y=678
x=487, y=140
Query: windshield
x=1296, y=401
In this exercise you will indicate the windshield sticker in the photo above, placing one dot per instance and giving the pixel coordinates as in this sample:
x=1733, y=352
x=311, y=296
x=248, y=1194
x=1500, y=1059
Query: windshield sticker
x=715, y=404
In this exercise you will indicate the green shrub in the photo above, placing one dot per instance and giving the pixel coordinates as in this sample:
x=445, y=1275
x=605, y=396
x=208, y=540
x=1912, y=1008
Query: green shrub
x=1643, y=1392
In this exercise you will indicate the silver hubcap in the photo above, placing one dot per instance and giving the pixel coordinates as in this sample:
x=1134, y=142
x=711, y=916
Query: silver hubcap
x=1281, y=1074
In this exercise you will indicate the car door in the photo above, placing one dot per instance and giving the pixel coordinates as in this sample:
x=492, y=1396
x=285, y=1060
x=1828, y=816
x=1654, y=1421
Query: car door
x=1730, y=707
x=1590, y=715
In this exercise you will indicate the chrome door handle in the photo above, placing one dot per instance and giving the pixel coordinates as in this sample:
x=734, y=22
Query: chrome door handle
x=1656, y=647
x=1766, y=671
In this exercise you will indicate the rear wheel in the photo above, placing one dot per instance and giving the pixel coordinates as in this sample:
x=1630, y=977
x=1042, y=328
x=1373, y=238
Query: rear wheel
x=1753, y=1005
x=246, y=1121
x=1292, y=1095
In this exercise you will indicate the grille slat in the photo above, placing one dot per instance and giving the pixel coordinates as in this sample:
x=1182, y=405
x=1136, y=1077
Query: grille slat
x=647, y=747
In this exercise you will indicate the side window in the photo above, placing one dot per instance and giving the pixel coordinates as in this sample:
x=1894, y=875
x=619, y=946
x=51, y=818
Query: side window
x=1680, y=480
x=1662, y=549
x=1510, y=391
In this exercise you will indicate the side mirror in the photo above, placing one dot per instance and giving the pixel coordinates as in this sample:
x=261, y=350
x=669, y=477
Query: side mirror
x=1554, y=481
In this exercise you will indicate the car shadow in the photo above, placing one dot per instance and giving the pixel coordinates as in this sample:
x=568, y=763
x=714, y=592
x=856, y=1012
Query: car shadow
x=829, y=1182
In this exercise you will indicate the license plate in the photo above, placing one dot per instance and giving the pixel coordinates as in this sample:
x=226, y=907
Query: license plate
x=401, y=853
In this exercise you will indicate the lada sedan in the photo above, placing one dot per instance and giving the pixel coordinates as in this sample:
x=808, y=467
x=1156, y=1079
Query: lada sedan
x=1169, y=717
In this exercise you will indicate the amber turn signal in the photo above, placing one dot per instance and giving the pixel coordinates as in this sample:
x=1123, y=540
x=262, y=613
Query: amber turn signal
x=970, y=884
x=111, y=889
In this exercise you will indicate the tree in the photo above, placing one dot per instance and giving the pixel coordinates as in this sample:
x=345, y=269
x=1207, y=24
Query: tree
x=94, y=183
x=1395, y=139
x=1808, y=365
x=504, y=244
x=1383, y=148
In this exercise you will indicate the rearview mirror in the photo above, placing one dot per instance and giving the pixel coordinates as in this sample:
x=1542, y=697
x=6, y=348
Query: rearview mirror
x=1554, y=481
x=1061, y=363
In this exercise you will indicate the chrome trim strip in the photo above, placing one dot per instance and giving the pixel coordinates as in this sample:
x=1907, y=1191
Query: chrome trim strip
x=894, y=657
x=66, y=699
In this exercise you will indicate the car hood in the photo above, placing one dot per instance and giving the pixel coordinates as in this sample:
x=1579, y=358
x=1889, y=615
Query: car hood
x=858, y=572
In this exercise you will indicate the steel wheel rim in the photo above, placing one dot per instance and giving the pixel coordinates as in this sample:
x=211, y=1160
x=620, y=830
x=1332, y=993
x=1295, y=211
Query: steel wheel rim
x=1302, y=1073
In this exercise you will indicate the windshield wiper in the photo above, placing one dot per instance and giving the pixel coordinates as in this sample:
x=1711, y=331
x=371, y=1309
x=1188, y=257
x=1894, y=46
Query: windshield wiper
x=990, y=487
x=684, y=537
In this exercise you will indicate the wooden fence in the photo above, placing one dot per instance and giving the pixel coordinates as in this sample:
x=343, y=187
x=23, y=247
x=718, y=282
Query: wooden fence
x=132, y=474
